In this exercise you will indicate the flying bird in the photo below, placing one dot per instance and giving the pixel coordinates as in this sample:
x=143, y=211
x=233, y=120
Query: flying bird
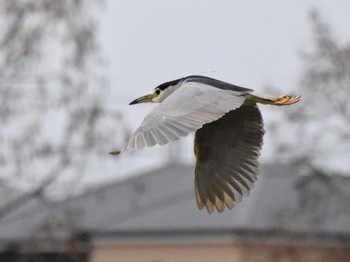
x=228, y=130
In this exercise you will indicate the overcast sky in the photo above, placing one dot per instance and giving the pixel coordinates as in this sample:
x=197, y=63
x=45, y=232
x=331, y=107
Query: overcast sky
x=248, y=43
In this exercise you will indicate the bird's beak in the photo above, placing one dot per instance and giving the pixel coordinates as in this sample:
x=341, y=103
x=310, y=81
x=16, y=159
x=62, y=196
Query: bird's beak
x=143, y=99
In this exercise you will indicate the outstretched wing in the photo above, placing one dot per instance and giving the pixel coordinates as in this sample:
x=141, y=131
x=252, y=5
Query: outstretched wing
x=190, y=107
x=227, y=151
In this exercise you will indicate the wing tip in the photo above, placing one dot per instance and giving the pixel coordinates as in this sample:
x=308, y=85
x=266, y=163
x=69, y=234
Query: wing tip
x=218, y=206
x=115, y=152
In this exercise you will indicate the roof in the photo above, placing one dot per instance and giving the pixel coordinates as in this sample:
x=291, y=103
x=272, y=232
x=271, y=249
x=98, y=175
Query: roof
x=162, y=203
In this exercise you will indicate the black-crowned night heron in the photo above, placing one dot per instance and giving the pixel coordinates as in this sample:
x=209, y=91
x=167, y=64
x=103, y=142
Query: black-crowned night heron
x=228, y=139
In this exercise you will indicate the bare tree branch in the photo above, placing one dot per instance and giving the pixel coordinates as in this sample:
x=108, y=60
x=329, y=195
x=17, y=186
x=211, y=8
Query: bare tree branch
x=320, y=124
x=52, y=97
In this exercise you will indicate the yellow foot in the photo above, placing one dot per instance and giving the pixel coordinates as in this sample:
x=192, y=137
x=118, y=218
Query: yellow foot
x=286, y=100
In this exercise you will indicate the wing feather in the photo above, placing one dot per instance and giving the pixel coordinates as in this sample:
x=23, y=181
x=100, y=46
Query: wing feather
x=227, y=152
x=187, y=109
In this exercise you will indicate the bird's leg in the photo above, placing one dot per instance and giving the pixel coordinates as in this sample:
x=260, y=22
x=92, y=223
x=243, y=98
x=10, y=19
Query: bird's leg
x=284, y=100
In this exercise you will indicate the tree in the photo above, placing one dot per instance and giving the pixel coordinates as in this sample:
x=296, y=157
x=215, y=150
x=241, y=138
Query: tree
x=319, y=137
x=55, y=125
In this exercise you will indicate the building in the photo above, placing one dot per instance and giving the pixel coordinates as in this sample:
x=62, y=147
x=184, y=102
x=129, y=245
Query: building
x=154, y=217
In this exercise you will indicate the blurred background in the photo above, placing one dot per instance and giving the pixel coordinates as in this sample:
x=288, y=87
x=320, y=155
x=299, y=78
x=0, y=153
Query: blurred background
x=68, y=70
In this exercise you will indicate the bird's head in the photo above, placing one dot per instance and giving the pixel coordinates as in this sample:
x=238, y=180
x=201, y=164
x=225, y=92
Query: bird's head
x=160, y=93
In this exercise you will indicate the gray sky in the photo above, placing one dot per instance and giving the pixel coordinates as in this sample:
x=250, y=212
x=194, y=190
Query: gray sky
x=248, y=43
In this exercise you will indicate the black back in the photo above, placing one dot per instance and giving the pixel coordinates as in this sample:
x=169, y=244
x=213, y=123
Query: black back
x=204, y=80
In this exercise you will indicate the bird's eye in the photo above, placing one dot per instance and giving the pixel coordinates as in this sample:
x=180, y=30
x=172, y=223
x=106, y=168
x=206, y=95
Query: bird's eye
x=157, y=91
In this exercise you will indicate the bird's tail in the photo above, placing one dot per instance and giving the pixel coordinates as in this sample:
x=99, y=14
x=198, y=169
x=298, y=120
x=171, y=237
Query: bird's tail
x=284, y=100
